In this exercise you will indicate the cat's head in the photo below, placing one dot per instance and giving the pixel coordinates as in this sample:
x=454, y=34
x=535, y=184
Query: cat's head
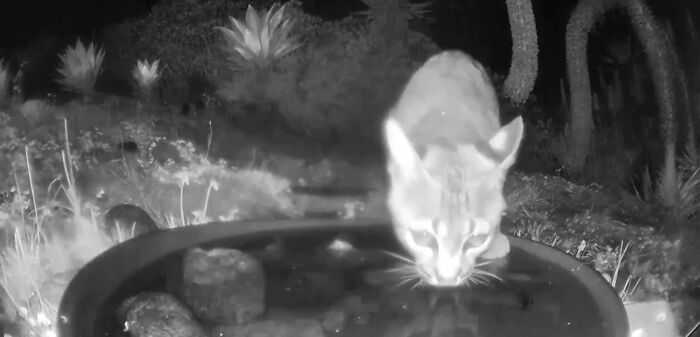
x=447, y=203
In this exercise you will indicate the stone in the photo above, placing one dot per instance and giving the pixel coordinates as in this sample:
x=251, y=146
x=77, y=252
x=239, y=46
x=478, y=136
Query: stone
x=223, y=286
x=153, y=314
x=129, y=220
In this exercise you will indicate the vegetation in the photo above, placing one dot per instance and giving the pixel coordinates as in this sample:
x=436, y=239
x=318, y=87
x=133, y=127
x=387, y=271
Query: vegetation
x=4, y=84
x=182, y=35
x=344, y=72
x=262, y=39
x=523, y=65
x=80, y=67
x=657, y=49
x=146, y=77
x=62, y=166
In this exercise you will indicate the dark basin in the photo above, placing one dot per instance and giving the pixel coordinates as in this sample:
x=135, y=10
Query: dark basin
x=543, y=293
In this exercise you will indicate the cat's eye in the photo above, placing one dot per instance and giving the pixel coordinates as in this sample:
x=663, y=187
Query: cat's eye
x=423, y=237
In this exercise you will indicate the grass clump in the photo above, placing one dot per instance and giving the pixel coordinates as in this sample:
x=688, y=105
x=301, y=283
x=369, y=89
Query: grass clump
x=55, y=233
x=46, y=249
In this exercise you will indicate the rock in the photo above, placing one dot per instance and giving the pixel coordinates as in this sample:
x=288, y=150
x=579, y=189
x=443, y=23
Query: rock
x=153, y=314
x=223, y=286
x=129, y=220
x=272, y=328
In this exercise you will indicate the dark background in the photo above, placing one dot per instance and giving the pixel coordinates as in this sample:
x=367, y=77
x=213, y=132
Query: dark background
x=479, y=27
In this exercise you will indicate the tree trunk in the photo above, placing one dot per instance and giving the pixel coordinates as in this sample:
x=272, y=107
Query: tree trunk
x=523, y=65
x=650, y=33
x=580, y=121
x=683, y=100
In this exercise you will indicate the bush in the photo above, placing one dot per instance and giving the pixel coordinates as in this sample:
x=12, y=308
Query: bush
x=181, y=34
x=339, y=82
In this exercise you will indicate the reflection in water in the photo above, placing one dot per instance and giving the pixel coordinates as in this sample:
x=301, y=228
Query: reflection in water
x=453, y=312
x=462, y=311
x=441, y=319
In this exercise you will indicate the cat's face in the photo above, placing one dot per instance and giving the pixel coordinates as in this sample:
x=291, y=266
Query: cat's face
x=447, y=205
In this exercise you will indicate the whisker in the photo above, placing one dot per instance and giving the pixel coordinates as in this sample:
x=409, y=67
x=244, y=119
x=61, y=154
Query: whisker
x=472, y=281
x=417, y=284
x=403, y=282
x=481, y=277
x=489, y=274
x=484, y=263
x=416, y=280
x=408, y=277
x=406, y=274
x=399, y=257
x=478, y=279
x=400, y=269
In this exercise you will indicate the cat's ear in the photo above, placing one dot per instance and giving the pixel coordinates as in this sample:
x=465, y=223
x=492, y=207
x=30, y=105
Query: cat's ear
x=506, y=142
x=401, y=152
x=500, y=247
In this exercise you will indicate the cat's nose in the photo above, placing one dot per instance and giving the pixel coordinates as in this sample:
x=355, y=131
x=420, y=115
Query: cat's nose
x=448, y=273
x=451, y=281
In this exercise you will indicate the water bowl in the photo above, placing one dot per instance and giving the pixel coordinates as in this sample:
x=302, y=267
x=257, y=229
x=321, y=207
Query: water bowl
x=324, y=277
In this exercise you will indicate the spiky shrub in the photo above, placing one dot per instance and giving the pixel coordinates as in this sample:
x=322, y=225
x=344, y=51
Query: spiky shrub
x=338, y=83
x=4, y=83
x=146, y=75
x=262, y=38
x=523, y=65
x=687, y=209
x=180, y=34
x=80, y=67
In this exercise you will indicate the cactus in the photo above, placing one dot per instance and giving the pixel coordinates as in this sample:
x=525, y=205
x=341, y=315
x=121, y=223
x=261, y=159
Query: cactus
x=650, y=33
x=580, y=99
x=523, y=65
x=684, y=101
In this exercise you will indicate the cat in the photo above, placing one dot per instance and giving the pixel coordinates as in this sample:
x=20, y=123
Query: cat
x=447, y=158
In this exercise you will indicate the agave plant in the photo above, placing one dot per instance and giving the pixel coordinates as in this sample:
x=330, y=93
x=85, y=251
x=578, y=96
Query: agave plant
x=4, y=82
x=80, y=68
x=146, y=75
x=263, y=37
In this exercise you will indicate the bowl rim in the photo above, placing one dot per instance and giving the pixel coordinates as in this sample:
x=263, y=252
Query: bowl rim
x=109, y=270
